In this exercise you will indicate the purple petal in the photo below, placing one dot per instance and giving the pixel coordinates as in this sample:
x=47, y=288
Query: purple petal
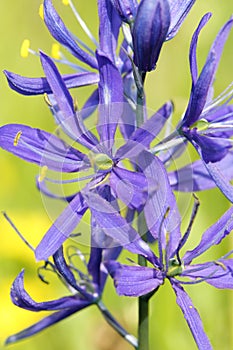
x=149, y=32
x=193, y=48
x=21, y=298
x=200, y=91
x=219, y=273
x=179, y=9
x=90, y=105
x=192, y=317
x=40, y=147
x=134, y=281
x=46, y=322
x=108, y=28
x=41, y=185
x=37, y=86
x=147, y=132
x=61, y=228
x=213, y=236
x=59, y=31
x=130, y=187
x=58, y=87
x=115, y=226
x=126, y=9
x=162, y=225
x=221, y=179
x=191, y=178
x=110, y=99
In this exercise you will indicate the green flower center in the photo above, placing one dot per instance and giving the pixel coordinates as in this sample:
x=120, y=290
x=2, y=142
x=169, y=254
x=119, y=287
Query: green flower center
x=101, y=161
x=174, y=268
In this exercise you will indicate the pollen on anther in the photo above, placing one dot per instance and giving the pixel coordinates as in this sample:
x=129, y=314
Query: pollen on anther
x=42, y=173
x=66, y=2
x=41, y=11
x=24, y=50
x=17, y=137
x=55, y=51
x=46, y=98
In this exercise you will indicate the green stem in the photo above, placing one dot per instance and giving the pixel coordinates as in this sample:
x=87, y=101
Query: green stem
x=118, y=328
x=143, y=301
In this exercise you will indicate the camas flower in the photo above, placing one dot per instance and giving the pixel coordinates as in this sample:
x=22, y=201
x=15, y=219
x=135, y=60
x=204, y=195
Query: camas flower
x=86, y=289
x=138, y=280
x=51, y=152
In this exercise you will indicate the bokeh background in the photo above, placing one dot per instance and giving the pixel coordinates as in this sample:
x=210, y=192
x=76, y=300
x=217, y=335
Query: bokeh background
x=21, y=200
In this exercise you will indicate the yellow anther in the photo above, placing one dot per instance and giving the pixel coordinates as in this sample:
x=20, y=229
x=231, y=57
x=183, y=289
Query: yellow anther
x=43, y=172
x=75, y=104
x=17, y=137
x=24, y=50
x=66, y=2
x=46, y=98
x=221, y=264
x=55, y=51
x=41, y=11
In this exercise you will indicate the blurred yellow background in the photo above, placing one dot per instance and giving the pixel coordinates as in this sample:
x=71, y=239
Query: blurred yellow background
x=21, y=200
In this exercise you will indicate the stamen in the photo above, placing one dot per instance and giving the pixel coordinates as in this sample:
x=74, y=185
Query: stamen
x=43, y=172
x=24, y=50
x=17, y=231
x=221, y=264
x=17, y=137
x=81, y=21
x=47, y=100
x=41, y=11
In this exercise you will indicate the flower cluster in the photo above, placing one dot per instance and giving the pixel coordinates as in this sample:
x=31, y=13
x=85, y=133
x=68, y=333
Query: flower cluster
x=119, y=184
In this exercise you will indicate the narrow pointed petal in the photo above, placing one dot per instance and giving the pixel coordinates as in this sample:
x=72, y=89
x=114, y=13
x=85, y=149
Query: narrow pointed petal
x=108, y=28
x=22, y=299
x=40, y=147
x=61, y=228
x=110, y=99
x=148, y=131
x=213, y=236
x=219, y=273
x=192, y=317
x=193, y=49
x=59, y=31
x=46, y=322
x=134, y=281
x=58, y=87
x=179, y=9
x=162, y=225
x=90, y=105
x=115, y=226
x=149, y=32
x=38, y=86
x=131, y=187
x=200, y=92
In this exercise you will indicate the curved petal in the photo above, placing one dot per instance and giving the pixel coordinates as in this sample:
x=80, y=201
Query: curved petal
x=38, y=86
x=126, y=9
x=214, y=235
x=61, y=228
x=38, y=146
x=134, y=281
x=22, y=299
x=192, y=317
x=59, y=31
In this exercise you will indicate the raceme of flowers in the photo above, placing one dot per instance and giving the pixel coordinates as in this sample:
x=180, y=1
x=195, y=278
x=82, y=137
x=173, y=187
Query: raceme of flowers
x=121, y=184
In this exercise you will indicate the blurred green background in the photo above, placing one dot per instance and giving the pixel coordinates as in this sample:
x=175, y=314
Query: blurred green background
x=20, y=199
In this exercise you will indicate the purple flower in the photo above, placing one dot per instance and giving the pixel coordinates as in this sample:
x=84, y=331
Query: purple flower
x=50, y=152
x=86, y=288
x=138, y=280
